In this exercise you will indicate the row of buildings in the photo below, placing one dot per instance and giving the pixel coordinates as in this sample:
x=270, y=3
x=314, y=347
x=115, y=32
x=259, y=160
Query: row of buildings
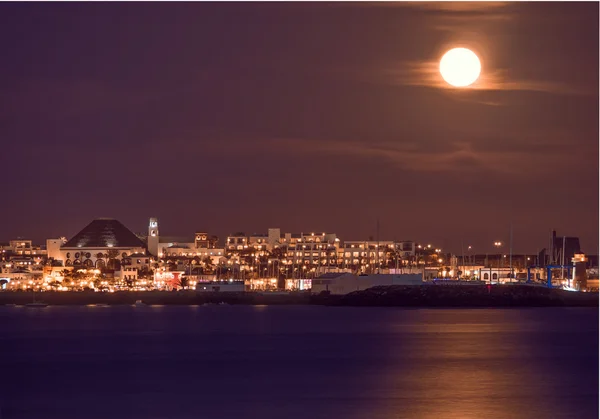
x=107, y=255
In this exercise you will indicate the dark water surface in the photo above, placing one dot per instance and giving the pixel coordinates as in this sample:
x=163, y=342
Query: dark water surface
x=298, y=362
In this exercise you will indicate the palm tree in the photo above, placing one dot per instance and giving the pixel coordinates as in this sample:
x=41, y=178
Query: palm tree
x=67, y=275
x=111, y=255
x=361, y=261
x=182, y=281
x=277, y=253
x=145, y=272
x=208, y=264
x=247, y=255
x=221, y=269
x=263, y=260
x=391, y=255
x=54, y=285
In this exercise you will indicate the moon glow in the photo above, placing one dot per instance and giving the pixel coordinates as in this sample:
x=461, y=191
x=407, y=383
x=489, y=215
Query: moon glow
x=460, y=67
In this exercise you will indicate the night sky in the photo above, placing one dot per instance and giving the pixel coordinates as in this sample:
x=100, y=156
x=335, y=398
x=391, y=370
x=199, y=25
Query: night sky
x=308, y=117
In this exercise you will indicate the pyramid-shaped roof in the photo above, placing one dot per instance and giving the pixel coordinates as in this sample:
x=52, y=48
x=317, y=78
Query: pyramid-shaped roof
x=105, y=232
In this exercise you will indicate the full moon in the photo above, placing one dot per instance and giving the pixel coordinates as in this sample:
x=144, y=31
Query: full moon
x=460, y=67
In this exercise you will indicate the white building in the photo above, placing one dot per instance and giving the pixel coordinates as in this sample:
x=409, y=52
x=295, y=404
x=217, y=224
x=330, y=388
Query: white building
x=202, y=245
x=177, y=250
x=53, y=247
x=365, y=254
x=406, y=249
x=257, y=241
x=236, y=242
x=308, y=251
x=345, y=283
x=101, y=244
x=138, y=261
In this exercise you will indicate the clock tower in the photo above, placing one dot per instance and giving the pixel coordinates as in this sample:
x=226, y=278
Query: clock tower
x=201, y=240
x=153, y=237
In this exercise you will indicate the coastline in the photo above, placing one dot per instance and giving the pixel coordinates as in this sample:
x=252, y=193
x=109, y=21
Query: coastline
x=459, y=296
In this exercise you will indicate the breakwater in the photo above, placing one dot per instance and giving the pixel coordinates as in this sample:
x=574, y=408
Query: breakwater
x=386, y=296
x=467, y=296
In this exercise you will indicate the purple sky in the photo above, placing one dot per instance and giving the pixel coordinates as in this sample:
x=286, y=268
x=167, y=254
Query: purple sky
x=309, y=117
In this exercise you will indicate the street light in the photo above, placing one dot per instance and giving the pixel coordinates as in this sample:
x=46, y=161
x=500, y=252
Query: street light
x=470, y=255
x=498, y=245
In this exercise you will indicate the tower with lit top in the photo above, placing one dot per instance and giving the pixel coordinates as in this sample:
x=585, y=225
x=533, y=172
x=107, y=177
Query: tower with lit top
x=153, y=236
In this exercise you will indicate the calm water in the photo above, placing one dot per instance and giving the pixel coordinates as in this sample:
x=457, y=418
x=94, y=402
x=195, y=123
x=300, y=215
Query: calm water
x=297, y=362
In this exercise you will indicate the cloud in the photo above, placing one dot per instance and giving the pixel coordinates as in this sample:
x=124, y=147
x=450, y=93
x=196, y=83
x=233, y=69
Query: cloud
x=454, y=16
x=459, y=6
x=445, y=6
x=487, y=28
x=456, y=157
x=512, y=155
x=427, y=74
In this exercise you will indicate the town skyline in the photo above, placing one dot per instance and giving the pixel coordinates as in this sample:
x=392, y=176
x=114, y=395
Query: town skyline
x=247, y=116
x=439, y=242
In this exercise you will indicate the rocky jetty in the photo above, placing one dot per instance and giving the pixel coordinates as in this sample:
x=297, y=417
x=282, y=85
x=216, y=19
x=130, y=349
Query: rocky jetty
x=463, y=296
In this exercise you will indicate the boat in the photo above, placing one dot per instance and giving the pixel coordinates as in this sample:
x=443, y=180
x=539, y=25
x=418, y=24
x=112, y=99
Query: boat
x=101, y=305
x=139, y=303
x=10, y=305
x=36, y=304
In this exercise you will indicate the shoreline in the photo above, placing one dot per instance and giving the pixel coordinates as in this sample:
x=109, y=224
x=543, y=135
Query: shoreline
x=383, y=296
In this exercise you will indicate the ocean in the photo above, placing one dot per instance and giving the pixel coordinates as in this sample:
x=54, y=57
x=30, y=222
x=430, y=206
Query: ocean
x=297, y=362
